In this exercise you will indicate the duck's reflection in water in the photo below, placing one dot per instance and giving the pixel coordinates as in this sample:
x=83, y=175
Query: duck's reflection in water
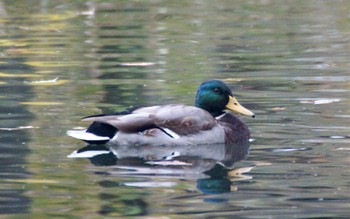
x=211, y=165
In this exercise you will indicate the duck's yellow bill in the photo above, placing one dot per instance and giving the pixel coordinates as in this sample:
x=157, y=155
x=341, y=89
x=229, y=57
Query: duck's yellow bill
x=234, y=106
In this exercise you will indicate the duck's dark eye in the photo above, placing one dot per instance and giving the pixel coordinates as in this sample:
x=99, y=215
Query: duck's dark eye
x=216, y=90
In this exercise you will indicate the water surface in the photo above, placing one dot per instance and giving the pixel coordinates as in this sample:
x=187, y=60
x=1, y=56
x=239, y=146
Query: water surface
x=288, y=61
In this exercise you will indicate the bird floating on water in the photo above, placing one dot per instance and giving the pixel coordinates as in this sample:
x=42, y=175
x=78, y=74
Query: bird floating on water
x=210, y=121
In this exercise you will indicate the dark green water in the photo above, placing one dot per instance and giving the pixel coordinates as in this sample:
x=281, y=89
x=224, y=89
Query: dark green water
x=288, y=61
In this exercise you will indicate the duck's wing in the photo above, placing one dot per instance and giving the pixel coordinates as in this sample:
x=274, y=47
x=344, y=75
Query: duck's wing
x=182, y=119
x=179, y=119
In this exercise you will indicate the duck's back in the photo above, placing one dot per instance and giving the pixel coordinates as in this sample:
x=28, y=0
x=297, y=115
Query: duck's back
x=181, y=119
x=168, y=124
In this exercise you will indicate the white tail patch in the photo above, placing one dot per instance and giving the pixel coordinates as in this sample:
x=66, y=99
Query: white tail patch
x=86, y=136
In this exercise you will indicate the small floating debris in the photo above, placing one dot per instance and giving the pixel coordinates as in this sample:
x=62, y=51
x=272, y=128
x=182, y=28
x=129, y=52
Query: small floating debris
x=90, y=12
x=337, y=137
x=278, y=108
x=262, y=163
x=320, y=101
x=54, y=81
x=137, y=64
x=289, y=149
x=19, y=128
x=234, y=79
x=46, y=81
x=38, y=103
x=343, y=149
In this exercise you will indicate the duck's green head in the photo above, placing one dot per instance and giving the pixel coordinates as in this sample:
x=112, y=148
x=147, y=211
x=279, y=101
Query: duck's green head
x=215, y=97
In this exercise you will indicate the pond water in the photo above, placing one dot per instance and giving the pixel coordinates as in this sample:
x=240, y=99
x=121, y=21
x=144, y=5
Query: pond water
x=288, y=61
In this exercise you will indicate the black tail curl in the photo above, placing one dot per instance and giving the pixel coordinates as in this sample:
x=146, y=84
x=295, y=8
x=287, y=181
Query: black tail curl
x=103, y=129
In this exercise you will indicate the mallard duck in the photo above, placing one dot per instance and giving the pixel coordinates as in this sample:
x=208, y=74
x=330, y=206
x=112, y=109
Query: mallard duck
x=208, y=122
